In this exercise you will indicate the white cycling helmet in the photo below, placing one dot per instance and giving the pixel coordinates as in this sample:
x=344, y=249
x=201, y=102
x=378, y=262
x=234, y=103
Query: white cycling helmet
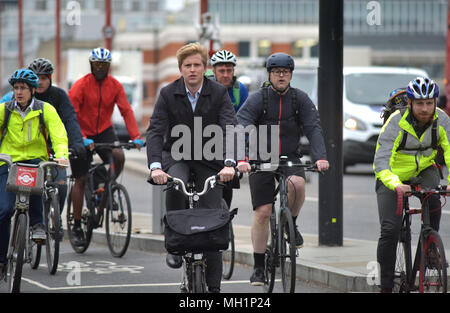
x=100, y=55
x=223, y=56
x=422, y=88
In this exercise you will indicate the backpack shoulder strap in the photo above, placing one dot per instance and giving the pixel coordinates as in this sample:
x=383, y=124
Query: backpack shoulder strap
x=39, y=105
x=9, y=106
x=434, y=135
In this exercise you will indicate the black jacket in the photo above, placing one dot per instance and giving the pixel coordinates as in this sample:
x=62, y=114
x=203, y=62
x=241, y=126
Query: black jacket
x=174, y=108
x=281, y=112
x=59, y=99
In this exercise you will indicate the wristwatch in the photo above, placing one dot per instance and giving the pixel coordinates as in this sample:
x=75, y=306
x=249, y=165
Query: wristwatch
x=230, y=163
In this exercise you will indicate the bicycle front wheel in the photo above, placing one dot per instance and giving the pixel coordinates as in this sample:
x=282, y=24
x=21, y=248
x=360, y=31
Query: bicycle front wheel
x=198, y=279
x=433, y=265
x=118, y=221
x=271, y=260
x=36, y=249
x=17, y=257
x=287, y=251
x=53, y=225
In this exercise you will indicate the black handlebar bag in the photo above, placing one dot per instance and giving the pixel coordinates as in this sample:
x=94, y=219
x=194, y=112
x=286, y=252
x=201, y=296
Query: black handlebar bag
x=197, y=230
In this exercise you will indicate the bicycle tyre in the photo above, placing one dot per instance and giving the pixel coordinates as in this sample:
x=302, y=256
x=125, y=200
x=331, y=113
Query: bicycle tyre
x=433, y=265
x=229, y=254
x=270, y=258
x=402, y=269
x=86, y=224
x=287, y=251
x=17, y=257
x=53, y=226
x=36, y=251
x=118, y=221
x=198, y=279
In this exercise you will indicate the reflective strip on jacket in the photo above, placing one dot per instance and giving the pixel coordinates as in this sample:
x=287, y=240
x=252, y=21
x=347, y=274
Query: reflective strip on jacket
x=24, y=139
x=394, y=167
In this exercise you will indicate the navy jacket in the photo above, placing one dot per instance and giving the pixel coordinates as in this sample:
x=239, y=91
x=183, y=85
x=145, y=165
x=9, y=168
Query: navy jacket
x=59, y=99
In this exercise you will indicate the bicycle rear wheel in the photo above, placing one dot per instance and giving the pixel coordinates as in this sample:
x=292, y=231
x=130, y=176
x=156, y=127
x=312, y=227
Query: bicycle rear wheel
x=17, y=257
x=433, y=265
x=228, y=255
x=287, y=251
x=86, y=220
x=118, y=221
x=53, y=225
x=270, y=258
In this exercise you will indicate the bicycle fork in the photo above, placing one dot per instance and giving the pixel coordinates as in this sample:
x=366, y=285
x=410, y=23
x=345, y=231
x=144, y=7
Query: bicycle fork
x=191, y=261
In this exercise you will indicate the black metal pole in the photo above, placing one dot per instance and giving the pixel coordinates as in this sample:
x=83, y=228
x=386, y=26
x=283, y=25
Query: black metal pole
x=330, y=110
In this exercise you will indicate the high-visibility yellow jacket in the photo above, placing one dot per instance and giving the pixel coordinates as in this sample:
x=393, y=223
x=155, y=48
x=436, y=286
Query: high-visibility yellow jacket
x=392, y=165
x=24, y=139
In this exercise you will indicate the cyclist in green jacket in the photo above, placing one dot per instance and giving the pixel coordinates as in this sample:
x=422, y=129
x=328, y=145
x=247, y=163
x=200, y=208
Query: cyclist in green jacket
x=406, y=148
x=24, y=138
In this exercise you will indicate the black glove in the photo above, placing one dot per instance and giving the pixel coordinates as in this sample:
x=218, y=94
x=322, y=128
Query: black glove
x=80, y=152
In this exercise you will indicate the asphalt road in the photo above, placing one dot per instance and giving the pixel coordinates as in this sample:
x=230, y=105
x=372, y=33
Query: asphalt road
x=96, y=271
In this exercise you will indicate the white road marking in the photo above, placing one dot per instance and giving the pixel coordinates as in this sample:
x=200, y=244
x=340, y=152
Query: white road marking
x=40, y=285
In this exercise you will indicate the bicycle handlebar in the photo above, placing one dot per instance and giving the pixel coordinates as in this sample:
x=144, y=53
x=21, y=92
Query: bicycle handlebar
x=272, y=167
x=127, y=145
x=418, y=191
x=7, y=159
x=210, y=183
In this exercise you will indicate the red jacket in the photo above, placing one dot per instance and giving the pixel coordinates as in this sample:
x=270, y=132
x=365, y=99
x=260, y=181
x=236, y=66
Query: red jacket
x=94, y=103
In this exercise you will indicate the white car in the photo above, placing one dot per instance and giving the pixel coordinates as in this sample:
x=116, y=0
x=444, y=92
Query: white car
x=366, y=90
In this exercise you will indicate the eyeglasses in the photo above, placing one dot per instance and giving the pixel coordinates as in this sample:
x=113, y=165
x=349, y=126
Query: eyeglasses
x=279, y=72
x=100, y=64
x=21, y=88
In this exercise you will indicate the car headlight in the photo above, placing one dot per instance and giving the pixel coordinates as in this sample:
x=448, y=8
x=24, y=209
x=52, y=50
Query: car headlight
x=352, y=123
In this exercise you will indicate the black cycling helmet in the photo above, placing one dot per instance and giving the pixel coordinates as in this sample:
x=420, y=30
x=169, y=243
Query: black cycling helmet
x=41, y=66
x=280, y=60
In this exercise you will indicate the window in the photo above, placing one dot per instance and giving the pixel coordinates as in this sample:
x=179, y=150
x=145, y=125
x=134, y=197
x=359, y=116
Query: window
x=244, y=48
x=314, y=49
x=297, y=48
x=264, y=48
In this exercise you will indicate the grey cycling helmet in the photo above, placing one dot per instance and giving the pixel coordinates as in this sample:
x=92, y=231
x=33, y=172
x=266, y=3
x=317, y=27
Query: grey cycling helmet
x=223, y=56
x=41, y=66
x=280, y=60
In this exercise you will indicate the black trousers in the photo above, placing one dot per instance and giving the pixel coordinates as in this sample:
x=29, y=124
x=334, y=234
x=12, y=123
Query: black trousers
x=391, y=223
x=176, y=200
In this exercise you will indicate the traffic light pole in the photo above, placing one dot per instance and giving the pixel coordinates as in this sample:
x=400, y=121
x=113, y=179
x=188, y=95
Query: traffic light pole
x=331, y=115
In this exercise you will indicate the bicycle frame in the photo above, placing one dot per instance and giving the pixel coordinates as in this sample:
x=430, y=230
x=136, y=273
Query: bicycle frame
x=411, y=268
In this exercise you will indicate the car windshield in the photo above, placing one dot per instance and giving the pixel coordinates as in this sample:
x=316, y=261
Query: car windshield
x=129, y=90
x=304, y=81
x=374, y=88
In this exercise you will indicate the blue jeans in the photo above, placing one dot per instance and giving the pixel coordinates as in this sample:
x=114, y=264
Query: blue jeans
x=7, y=201
x=60, y=174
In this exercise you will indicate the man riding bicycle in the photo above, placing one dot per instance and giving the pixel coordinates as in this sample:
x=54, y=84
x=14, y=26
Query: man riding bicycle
x=406, y=148
x=57, y=97
x=293, y=111
x=94, y=97
x=26, y=126
x=223, y=63
x=178, y=104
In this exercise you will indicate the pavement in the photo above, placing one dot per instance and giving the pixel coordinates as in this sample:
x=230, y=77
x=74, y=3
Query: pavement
x=346, y=268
